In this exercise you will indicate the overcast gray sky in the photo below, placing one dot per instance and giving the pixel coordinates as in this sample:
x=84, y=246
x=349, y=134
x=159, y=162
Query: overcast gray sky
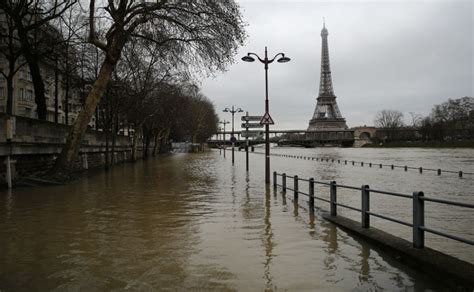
x=404, y=55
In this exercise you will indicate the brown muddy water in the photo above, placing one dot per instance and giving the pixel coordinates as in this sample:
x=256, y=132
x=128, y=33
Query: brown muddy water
x=188, y=222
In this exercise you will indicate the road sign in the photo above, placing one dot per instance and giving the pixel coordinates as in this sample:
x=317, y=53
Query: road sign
x=233, y=139
x=248, y=125
x=251, y=118
x=267, y=120
x=251, y=134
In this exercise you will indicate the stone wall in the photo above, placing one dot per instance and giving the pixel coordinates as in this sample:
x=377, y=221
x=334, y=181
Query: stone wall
x=36, y=144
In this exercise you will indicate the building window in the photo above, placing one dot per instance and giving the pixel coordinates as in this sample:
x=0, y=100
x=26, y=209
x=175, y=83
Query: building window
x=21, y=94
x=28, y=112
x=29, y=95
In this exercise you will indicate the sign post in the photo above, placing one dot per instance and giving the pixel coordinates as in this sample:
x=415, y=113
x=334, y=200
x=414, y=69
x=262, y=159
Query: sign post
x=247, y=119
x=267, y=121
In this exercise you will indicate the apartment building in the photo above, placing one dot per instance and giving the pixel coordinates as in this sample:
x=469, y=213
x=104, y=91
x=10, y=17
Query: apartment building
x=56, y=86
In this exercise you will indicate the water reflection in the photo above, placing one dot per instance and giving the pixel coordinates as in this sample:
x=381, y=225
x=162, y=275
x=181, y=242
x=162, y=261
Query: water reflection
x=268, y=240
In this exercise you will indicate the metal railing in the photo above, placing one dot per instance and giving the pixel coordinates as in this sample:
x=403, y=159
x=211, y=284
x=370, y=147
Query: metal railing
x=439, y=171
x=418, y=201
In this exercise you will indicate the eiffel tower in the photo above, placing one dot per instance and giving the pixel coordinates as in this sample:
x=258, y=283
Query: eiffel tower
x=327, y=116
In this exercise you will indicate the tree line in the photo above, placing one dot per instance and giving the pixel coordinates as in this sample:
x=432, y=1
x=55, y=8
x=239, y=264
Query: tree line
x=450, y=120
x=135, y=62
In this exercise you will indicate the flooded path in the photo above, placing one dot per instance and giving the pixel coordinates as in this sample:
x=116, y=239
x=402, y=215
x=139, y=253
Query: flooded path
x=183, y=222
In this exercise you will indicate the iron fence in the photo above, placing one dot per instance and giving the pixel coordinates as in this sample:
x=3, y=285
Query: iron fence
x=418, y=202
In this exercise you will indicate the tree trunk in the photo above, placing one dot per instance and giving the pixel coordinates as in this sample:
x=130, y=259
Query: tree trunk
x=33, y=63
x=114, y=136
x=56, y=93
x=9, y=94
x=69, y=152
x=106, y=128
x=134, y=145
x=38, y=86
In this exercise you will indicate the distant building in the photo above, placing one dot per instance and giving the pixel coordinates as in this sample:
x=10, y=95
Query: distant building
x=23, y=89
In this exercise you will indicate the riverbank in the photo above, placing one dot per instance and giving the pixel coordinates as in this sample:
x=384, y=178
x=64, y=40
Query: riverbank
x=422, y=144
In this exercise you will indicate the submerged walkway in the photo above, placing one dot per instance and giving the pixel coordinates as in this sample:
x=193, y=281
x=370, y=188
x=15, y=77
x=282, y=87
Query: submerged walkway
x=183, y=222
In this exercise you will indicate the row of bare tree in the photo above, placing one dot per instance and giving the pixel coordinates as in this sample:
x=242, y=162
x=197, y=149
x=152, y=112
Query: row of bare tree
x=453, y=119
x=136, y=60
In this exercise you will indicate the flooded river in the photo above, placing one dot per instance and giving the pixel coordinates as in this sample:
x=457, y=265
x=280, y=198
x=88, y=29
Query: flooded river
x=194, y=222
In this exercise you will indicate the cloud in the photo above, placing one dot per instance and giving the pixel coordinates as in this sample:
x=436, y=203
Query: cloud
x=384, y=55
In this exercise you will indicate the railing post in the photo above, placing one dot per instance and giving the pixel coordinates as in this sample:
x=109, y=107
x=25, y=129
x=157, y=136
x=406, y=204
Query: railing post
x=275, y=179
x=406, y=167
x=392, y=166
x=421, y=169
x=345, y=161
x=439, y=171
x=311, y=194
x=295, y=187
x=460, y=174
x=380, y=165
x=365, y=206
x=283, y=182
x=418, y=220
x=333, y=198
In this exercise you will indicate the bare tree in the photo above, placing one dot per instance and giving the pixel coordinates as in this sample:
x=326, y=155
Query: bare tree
x=415, y=119
x=389, y=119
x=10, y=48
x=31, y=20
x=208, y=32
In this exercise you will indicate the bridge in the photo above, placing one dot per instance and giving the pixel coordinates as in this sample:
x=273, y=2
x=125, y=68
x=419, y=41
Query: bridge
x=304, y=138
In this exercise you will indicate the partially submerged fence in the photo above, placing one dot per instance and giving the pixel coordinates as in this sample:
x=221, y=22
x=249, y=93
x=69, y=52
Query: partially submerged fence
x=418, y=202
x=420, y=169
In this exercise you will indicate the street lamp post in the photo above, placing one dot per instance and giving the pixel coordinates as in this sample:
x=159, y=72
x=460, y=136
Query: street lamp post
x=266, y=61
x=232, y=111
x=224, y=122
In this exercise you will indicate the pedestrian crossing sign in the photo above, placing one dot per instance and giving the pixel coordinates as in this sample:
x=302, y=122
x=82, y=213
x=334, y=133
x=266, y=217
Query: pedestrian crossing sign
x=267, y=120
